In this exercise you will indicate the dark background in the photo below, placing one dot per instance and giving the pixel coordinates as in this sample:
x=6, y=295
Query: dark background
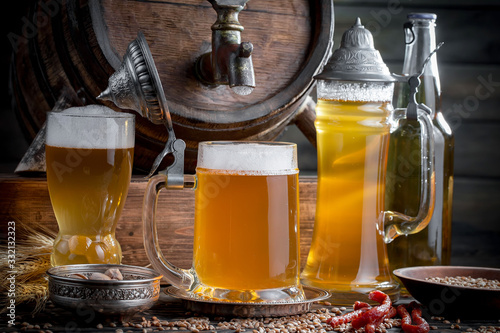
x=470, y=57
x=13, y=142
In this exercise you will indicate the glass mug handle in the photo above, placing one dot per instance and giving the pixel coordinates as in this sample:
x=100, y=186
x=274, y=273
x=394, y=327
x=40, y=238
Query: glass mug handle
x=396, y=223
x=178, y=277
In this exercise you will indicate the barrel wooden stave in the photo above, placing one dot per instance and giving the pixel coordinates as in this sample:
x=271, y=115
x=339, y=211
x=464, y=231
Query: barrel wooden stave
x=80, y=49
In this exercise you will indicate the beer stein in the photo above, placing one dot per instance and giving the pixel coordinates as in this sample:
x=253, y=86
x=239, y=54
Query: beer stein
x=246, y=241
x=354, y=119
x=89, y=156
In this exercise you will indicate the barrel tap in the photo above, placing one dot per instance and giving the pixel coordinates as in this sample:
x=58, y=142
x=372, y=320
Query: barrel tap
x=230, y=60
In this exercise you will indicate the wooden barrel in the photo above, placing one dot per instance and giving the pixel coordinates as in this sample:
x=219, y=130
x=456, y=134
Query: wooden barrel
x=79, y=44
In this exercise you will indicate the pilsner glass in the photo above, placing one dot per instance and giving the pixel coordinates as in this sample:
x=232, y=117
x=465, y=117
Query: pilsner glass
x=246, y=238
x=89, y=155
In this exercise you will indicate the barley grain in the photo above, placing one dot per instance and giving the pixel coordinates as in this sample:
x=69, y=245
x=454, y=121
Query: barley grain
x=466, y=281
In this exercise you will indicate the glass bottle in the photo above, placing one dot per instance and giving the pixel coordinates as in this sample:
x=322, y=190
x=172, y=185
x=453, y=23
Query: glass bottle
x=432, y=245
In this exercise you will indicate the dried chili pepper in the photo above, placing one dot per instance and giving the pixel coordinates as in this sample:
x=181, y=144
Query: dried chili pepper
x=420, y=324
x=366, y=316
x=359, y=305
x=416, y=316
x=376, y=314
x=405, y=316
x=346, y=318
x=370, y=328
x=392, y=312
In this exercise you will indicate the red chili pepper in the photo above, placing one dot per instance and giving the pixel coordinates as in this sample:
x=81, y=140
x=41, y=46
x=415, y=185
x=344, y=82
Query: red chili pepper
x=366, y=316
x=376, y=314
x=370, y=328
x=405, y=316
x=346, y=318
x=416, y=315
x=392, y=312
x=420, y=326
x=359, y=305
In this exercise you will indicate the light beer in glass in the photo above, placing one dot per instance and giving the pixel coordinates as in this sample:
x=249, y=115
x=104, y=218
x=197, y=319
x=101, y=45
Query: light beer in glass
x=246, y=219
x=348, y=254
x=89, y=155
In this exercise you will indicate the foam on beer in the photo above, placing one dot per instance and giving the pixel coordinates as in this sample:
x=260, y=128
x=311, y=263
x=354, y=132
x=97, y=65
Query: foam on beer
x=253, y=157
x=108, y=129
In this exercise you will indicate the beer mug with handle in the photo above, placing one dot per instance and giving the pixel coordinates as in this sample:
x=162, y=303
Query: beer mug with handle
x=89, y=156
x=354, y=119
x=246, y=238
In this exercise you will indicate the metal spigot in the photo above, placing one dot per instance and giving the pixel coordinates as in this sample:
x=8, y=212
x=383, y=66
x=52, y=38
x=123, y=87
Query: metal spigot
x=230, y=60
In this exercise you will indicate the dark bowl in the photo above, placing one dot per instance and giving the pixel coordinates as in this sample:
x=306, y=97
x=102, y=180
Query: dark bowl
x=451, y=301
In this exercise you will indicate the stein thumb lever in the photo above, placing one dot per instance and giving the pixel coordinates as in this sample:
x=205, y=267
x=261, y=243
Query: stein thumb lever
x=174, y=172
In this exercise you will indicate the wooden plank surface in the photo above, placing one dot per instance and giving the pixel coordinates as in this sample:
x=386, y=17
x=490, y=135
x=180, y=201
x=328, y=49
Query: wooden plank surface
x=26, y=200
x=172, y=313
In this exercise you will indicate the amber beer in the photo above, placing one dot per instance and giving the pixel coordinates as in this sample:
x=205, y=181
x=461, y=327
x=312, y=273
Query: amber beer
x=348, y=254
x=89, y=155
x=246, y=221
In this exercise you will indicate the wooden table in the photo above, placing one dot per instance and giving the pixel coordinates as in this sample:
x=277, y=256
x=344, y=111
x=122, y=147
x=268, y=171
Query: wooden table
x=26, y=200
x=171, y=310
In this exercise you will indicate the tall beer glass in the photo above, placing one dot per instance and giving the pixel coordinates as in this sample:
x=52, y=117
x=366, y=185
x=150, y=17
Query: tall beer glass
x=89, y=155
x=246, y=239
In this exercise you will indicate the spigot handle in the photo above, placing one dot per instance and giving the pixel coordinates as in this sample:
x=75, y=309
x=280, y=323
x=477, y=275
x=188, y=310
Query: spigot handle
x=246, y=49
x=230, y=60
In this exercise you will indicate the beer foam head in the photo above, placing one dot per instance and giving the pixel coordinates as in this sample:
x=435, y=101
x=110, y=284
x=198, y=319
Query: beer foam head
x=256, y=157
x=92, y=126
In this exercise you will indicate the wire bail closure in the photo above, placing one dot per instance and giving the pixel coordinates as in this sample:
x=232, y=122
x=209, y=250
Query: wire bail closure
x=414, y=82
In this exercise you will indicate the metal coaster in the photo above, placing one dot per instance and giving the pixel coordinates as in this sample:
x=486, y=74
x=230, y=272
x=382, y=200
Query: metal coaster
x=247, y=309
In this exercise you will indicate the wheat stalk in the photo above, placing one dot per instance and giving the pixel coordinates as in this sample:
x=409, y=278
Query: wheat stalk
x=32, y=267
x=33, y=247
x=32, y=259
x=33, y=291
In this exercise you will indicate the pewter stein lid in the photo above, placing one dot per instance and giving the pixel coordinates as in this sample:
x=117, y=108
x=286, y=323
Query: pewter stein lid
x=136, y=85
x=356, y=59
